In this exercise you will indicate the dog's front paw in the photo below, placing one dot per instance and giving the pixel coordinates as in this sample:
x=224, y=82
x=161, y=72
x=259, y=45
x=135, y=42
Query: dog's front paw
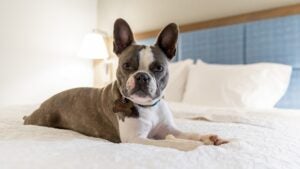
x=212, y=140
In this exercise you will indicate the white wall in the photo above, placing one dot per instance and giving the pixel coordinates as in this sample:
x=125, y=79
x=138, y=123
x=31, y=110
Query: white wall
x=38, y=44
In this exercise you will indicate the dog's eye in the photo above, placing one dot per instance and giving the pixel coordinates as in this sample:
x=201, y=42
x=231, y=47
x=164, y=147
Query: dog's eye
x=127, y=66
x=158, y=68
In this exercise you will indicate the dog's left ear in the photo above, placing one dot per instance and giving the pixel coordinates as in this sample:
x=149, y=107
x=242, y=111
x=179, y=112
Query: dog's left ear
x=167, y=40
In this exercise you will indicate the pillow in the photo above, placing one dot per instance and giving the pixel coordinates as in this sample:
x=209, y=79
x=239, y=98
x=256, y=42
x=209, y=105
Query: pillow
x=178, y=73
x=258, y=85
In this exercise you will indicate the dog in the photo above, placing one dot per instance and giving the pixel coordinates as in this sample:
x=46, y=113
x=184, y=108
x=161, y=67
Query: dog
x=131, y=109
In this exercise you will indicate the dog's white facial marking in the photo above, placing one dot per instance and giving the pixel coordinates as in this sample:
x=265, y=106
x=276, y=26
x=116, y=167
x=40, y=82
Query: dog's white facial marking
x=146, y=58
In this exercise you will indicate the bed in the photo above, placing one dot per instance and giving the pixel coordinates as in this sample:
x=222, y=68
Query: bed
x=259, y=139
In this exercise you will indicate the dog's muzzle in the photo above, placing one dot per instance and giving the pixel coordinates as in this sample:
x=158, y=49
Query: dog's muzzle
x=141, y=84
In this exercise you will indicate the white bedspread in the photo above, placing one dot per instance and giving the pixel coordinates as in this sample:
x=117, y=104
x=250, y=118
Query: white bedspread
x=260, y=139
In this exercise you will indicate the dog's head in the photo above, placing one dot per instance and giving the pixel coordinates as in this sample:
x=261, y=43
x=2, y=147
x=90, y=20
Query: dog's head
x=142, y=73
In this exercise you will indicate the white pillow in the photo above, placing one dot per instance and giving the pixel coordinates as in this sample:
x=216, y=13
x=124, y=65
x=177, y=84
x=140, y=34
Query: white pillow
x=178, y=73
x=258, y=85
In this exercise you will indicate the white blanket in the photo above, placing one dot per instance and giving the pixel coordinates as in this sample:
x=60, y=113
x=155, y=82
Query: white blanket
x=260, y=139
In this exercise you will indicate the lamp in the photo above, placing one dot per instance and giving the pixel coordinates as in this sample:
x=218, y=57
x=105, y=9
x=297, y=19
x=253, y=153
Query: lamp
x=93, y=47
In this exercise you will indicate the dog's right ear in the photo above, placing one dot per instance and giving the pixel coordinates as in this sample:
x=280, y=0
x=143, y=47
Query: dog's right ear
x=123, y=36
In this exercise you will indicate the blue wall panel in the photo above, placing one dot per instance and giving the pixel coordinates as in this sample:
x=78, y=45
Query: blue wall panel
x=291, y=99
x=218, y=45
x=274, y=40
x=147, y=42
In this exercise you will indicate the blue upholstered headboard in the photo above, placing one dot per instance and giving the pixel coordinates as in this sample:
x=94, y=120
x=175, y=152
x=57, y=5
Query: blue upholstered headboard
x=273, y=40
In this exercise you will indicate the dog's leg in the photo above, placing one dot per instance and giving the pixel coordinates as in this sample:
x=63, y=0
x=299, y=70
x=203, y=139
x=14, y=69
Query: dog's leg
x=44, y=117
x=133, y=130
x=169, y=127
x=209, y=139
x=179, y=144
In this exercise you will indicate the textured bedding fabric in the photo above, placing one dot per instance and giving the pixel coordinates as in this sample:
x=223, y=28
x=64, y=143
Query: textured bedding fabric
x=259, y=139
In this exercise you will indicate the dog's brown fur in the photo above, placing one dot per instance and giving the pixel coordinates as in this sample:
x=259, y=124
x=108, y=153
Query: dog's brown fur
x=66, y=110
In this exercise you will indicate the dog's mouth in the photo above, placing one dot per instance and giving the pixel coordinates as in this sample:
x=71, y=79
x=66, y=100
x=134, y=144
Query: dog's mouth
x=140, y=96
x=141, y=91
x=141, y=100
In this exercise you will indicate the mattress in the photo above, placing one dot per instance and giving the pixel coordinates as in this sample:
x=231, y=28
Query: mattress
x=259, y=139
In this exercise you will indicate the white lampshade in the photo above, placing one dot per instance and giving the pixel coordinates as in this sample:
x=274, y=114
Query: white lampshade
x=93, y=47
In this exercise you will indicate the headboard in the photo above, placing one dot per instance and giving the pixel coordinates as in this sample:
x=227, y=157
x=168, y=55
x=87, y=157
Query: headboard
x=272, y=40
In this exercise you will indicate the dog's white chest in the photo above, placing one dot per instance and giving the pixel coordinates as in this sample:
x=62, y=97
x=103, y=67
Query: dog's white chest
x=149, y=124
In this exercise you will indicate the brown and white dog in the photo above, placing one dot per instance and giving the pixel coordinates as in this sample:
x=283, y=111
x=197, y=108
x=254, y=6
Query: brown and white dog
x=142, y=116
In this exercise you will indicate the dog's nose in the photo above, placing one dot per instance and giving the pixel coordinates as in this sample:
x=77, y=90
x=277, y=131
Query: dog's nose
x=142, y=78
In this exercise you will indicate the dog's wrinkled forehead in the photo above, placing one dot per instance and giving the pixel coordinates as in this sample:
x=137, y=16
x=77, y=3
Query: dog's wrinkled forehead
x=131, y=55
x=141, y=56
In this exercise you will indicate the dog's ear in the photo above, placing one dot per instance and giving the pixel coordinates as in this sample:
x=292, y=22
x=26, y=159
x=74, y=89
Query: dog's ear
x=123, y=36
x=167, y=40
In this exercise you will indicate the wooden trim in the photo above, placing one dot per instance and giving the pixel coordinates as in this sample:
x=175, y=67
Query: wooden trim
x=248, y=17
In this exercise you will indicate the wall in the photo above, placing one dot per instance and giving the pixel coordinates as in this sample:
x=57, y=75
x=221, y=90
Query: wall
x=145, y=15
x=38, y=44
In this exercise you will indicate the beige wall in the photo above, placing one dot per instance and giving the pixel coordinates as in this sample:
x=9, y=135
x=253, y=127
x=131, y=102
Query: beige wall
x=145, y=15
x=39, y=40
